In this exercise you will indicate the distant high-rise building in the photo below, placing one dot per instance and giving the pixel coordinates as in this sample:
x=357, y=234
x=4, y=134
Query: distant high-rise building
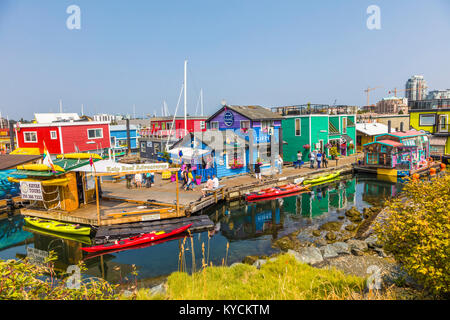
x=416, y=88
x=439, y=94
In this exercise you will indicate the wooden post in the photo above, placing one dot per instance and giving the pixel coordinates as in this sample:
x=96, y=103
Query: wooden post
x=178, y=206
x=98, y=200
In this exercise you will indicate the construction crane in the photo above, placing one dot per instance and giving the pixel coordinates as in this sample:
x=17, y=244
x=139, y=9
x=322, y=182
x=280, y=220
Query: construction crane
x=368, y=92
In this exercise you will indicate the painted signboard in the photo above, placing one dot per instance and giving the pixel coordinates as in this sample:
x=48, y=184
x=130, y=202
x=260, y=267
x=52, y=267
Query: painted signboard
x=31, y=190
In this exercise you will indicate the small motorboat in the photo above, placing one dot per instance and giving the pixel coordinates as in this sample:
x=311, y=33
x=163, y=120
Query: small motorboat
x=276, y=192
x=137, y=240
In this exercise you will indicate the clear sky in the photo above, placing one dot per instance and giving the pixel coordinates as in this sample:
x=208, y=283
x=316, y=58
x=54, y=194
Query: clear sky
x=263, y=52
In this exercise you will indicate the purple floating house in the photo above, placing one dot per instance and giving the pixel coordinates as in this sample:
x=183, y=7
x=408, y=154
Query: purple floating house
x=254, y=133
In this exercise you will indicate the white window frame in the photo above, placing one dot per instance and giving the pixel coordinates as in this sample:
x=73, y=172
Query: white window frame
x=53, y=135
x=29, y=132
x=445, y=129
x=227, y=158
x=214, y=122
x=427, y=115
x=95, y=130
x=299, y=121
x=245, y=121
x=344, y=125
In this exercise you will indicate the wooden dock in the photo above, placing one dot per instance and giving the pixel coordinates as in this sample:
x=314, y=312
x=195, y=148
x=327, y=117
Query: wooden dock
x=110, y=233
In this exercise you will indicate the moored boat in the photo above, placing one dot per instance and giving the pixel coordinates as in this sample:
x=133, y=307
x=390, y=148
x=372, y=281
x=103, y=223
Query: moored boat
x=137, y=240
x=57, y=226
x=275, y=192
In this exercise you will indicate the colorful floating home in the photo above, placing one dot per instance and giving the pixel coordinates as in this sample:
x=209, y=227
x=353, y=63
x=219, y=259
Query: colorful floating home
x=317, y=127
x=71, y=192
x=249, y=133
x=397, y=153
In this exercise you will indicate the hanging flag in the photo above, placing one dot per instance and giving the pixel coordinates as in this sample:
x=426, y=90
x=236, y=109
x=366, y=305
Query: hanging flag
x=47, y=160
x=91, y=160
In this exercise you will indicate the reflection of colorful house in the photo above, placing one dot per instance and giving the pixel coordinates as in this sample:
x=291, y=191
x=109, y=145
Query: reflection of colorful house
x=397, y=153
x=257, y=126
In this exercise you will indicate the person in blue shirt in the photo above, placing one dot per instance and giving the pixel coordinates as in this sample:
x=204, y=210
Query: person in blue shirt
x=319, y=158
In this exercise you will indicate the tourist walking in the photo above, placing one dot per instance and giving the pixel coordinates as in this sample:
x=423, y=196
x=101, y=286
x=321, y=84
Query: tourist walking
x=150, y=179
x=190, y=181
x=325, y=161
x=299, y=160
x=312, y=159
x=138, y=180
x=129, y=177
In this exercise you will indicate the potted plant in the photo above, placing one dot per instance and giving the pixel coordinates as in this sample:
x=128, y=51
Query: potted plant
x=334, y=153
x=306, y=147
x=198, y=180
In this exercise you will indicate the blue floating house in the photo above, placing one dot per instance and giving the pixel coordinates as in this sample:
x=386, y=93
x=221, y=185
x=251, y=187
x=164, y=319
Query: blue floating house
x=119, y=142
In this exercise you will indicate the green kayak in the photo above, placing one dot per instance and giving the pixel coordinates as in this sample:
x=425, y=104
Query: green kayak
x=322, y=178
x=57, y=226
x=66, y=236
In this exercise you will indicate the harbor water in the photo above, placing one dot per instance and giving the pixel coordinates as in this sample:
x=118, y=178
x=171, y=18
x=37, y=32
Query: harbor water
x=241, y=229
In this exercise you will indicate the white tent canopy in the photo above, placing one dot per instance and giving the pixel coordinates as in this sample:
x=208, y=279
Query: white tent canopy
x=188, y=153
x=109, y=166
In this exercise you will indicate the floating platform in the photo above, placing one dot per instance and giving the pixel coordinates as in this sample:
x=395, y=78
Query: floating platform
x=107, y=234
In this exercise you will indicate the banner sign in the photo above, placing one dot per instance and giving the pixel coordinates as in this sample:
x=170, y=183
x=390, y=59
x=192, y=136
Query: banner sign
x=137, y=167
x=31, y=190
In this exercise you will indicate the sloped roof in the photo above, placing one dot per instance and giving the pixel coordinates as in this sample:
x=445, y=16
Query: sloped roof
x=10, y=161
x=252, y=112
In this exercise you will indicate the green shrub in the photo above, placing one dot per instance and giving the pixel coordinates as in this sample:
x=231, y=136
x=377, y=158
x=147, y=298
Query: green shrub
x=417, y=232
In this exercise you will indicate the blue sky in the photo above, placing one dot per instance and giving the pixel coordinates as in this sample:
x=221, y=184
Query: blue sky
x=262, y=52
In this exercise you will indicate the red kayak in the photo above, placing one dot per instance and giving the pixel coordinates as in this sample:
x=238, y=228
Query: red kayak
x=133, y=241
x=275, y=192
x=139, y=246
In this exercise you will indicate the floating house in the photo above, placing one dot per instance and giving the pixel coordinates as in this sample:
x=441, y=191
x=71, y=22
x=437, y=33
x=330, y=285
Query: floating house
x=433, y=116
x=62, y=134
x=317, y=127
x=119, y=138
x=397, y=153
x=71, y=192
x=366, y=133
x=248, y=133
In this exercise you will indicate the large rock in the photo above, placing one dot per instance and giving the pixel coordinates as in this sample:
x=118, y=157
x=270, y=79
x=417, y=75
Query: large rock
x=357, y=245
x=331, y=226
x=341, y=247
x=330, y=236
x=329, y=251
x=353, y=212
x=309, y=255
x=250, y=259
x=373, y=242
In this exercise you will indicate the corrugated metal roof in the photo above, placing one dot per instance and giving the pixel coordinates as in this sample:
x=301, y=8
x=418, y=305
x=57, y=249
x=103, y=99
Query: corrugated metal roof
x=10, y=161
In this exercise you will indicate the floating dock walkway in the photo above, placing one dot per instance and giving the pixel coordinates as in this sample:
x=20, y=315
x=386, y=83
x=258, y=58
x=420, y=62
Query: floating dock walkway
x=114, y=232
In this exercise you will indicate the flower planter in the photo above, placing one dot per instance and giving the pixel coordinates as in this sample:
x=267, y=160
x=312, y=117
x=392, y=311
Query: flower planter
x=198, y=181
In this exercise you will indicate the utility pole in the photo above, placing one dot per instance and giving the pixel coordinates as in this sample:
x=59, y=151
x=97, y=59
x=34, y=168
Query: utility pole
x=185, y=95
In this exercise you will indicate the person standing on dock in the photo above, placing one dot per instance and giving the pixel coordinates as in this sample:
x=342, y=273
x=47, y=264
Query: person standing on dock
x=299, y=160
x=312, y=159
x=319, y=158
x=258, y=169
x=280, y=164
x=325, y=161
x=129, y=177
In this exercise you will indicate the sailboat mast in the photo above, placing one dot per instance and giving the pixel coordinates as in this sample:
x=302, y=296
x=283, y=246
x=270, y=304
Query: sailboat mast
x=201, y=101
x=185, y=95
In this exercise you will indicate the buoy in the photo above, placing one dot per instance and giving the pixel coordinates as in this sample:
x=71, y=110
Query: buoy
x=416, y=176
x=432, y=171
x=443, y=166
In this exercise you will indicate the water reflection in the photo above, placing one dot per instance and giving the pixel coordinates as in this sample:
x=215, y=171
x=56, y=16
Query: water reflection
x=249, y=228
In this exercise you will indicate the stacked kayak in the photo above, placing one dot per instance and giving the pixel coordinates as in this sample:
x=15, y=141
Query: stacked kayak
x=322, y=179
x=275, y=192
x=137, y=240
x=65, y=236
x=57, y=226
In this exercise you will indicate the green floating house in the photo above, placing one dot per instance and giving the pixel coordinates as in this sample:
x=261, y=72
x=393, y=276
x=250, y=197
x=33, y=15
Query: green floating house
x=317, y=127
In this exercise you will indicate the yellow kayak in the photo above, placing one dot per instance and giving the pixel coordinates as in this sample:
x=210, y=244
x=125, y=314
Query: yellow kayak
x=72, y=237
x=39, y=167
x=79, y=156
x=57, y=226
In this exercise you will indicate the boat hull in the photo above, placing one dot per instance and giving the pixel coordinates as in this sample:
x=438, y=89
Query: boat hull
x=57, y=226
x=274, y=193
x=137, y=240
